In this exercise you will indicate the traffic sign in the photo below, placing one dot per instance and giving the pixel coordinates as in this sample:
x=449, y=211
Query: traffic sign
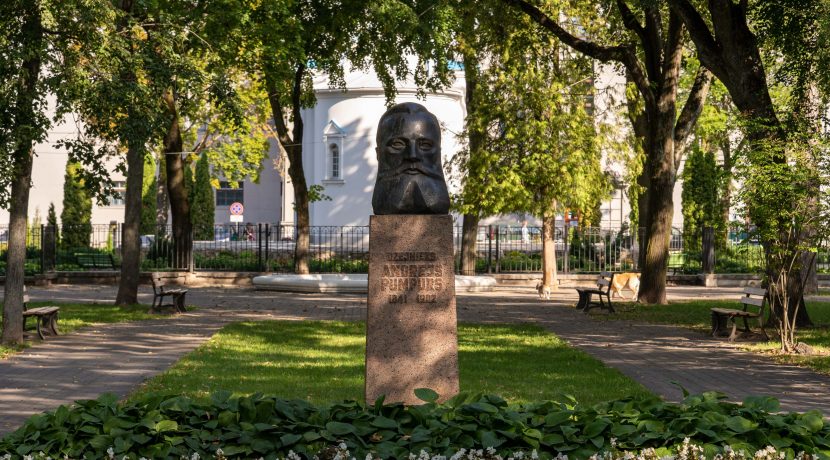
x=237, y=208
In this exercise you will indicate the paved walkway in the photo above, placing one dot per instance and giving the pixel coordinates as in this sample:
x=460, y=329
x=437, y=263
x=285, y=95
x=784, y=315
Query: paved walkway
x=118, y=357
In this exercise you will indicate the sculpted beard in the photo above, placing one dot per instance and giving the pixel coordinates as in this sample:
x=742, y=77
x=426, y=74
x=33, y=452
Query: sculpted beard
x=414, y=188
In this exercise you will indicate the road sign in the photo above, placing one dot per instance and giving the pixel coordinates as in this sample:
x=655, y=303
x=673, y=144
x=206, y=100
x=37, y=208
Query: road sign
x=235, y=218
x=237, y=208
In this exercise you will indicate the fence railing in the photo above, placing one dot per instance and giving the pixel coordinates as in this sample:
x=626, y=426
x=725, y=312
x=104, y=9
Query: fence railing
x=339, y=249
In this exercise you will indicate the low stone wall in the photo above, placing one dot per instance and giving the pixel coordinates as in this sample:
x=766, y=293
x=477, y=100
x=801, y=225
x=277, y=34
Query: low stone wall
x=243, y=279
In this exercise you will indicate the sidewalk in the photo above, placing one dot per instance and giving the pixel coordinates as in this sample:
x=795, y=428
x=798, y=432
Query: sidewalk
x=118, y=357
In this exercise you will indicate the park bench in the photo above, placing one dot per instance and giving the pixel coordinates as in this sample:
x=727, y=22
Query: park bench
x=45, y=317
x=603, y=289
x=161, y=290
x=754, y=303
x=677, y=262
x=95, y=260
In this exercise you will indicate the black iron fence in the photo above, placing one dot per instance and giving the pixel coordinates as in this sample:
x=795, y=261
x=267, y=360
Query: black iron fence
x=344, y=249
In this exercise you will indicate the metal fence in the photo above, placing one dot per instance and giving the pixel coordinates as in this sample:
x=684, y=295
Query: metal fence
x=338, y=249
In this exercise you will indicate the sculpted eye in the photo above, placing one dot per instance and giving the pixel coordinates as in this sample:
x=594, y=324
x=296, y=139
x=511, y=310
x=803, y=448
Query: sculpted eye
x=425, y=144
x=396, y=145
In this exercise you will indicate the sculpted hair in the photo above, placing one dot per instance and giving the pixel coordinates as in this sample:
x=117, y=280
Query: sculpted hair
x=390, y=120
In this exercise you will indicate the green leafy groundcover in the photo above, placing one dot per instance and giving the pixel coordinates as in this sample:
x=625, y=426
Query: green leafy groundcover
x=266, y=426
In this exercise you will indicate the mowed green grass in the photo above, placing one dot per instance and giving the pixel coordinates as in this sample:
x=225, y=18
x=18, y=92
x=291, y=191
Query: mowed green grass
x=324, y=362
x=696, y=315
x=76, y=315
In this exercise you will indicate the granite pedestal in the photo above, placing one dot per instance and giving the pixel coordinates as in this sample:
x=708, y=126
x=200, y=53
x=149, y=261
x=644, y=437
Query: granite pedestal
x=411, y=338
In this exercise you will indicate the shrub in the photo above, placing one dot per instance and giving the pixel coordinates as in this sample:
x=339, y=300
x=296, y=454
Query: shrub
x=264, y=426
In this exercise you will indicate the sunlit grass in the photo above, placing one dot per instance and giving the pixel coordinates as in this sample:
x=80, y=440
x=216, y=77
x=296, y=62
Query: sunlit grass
x=696, y=315
x=76, y=315
x=324, y=362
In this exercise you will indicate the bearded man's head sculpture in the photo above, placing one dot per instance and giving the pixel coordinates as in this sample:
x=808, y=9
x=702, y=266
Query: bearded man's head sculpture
x=410, y=177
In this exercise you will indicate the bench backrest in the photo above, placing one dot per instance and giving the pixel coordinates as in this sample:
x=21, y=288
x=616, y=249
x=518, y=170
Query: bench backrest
x=160, y=280
x=754, y=300
x=95, y=260
x=604, y=281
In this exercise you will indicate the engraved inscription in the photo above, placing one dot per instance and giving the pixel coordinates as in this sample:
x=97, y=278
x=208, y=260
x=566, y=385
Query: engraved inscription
x=408, y=276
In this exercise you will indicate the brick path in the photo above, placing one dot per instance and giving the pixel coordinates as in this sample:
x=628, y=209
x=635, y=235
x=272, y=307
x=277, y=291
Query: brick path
x=118, y=357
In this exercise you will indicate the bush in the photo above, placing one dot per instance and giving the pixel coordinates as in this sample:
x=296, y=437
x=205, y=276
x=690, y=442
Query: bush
x=265, y=426
x=160, y=252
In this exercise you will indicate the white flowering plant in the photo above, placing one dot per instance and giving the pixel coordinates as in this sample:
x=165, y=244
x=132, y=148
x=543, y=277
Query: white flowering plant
x=475, y=427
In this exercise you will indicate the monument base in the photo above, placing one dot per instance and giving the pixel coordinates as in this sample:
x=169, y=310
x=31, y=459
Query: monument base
x=411, y=338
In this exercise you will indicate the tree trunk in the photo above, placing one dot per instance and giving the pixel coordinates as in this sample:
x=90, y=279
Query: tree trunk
x=549, y=274
x=469, y=244
x=302, y=246
x=293, y=145
x=469, y=229
x=179, y=203
x=131, y=238
x=21, y=183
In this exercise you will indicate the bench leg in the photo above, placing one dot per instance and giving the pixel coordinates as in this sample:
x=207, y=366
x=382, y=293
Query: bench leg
x=581, y=304
x=587, y=305
x=179, y=301
x=610, y=308
x=734, y=334
x=38, y=321
x=53, y=323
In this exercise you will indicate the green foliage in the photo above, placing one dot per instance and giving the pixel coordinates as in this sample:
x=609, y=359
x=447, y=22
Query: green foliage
x=539, y=144
x=52, y=221
x=202, y=207
x=266, y=426
x=160, y=253
x=785, y=194
x=39, y=41
x=316, y=192
x=77, y=209
x=148, y=197
x=702, y=179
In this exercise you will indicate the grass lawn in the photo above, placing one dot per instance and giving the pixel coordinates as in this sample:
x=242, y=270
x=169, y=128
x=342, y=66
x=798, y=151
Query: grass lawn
x=75, y=315
x=696, y=315
x=324, y=362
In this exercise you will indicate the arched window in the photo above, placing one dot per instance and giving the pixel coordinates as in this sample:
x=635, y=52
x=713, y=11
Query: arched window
x=334, y=155
x=333, y=136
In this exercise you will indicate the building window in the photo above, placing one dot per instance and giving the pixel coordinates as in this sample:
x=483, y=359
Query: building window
x=119, y=189
x=333, y=140
x=227, y=195
x=334, y=153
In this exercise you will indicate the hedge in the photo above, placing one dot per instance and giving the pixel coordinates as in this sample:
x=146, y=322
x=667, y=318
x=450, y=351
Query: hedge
x=479, y=426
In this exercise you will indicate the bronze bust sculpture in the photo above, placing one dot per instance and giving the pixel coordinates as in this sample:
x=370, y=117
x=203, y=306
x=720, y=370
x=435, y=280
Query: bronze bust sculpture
x=410, y=178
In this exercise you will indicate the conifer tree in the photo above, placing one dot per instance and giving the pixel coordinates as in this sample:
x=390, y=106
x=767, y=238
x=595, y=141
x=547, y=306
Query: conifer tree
x=700, y=196
x=202, y=208
x=188, y=182
x=77, y=210
x=148, y=197
x=52, y=221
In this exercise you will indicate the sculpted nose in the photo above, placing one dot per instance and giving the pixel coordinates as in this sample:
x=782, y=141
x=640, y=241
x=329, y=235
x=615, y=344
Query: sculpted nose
x=411, y=152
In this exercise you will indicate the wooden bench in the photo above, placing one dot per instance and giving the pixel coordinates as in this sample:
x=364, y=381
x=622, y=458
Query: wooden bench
x=603, y=290
x=95, y=260
x=45, y=317
x=754, y=304
x=161, y=290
